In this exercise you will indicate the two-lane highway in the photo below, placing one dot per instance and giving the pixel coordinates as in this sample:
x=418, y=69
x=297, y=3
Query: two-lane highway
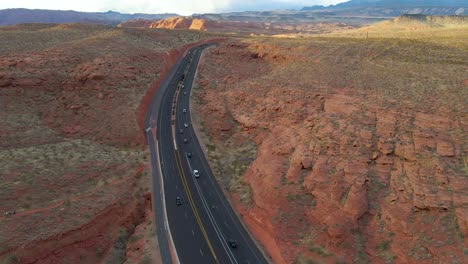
x=203, y=225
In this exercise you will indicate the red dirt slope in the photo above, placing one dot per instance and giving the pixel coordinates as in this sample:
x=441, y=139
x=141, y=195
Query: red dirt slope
x=339, y=150
x=73, y=154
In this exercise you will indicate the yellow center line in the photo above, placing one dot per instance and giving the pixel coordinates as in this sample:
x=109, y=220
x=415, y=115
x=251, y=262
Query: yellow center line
x=192, y=204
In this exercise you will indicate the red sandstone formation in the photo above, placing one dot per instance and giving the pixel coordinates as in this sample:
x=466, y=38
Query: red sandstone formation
x=232, y=26
x=340, y=173
x=71, y=143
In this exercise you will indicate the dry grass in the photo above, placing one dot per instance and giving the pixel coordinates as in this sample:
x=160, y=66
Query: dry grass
x=55, y=180
x=93, y=166
x=229, y=160
x=412, y=71
x=37, y=37
x=439, y=32
x=421, y=72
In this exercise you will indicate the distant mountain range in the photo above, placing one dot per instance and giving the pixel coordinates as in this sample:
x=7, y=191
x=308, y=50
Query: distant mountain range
x=393, y=8
x=354, y=12
x=20, y=15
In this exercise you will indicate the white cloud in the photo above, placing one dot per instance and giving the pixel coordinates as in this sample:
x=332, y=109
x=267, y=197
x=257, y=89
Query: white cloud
x=243, y=5
x=183, y=7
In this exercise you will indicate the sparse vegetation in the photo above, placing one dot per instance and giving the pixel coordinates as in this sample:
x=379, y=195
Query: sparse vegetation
x=10, y=259
x=70, y=146
x=119, y=250
x=384, y=245
x=304, y=260
x=362, y=110
x=236, y=159
x=319, y=250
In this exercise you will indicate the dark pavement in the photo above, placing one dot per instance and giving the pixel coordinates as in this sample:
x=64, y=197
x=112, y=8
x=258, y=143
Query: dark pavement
x=205, y=221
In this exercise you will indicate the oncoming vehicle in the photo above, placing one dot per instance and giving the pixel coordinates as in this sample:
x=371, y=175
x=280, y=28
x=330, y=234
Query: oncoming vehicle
x=178, y=200
x=185, y=140
x=232, y=243
x=196, y=173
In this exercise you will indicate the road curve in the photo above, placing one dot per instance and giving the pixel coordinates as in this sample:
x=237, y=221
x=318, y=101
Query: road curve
x=200, y=229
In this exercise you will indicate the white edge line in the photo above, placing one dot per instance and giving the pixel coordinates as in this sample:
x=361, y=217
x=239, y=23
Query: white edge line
x=226, y=199
x=218, y=231
x=164, y=205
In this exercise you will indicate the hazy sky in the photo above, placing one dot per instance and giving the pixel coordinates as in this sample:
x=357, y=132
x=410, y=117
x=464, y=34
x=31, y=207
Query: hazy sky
x=183, y=7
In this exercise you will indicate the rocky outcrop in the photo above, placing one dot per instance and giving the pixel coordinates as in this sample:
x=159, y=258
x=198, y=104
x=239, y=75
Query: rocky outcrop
x=173, y=23
x=339, y=174
x=170, y=23
x=74, y=99
x=230, y=25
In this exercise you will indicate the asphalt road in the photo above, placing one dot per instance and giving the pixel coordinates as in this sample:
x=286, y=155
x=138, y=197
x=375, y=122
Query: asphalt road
x=204, y=223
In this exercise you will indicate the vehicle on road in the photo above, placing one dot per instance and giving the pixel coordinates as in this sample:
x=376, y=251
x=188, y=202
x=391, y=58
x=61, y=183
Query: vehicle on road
x=178, y=200
x=7, y=213
x=181, y=131
x=185, y=140
x=232, y=243
x=185, y=93
x=196, y=173
x=189, y=154
x=185, y=125
x=185, y=110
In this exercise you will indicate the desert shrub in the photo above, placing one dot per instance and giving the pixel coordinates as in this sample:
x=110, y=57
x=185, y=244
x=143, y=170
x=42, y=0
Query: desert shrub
x=118, y=253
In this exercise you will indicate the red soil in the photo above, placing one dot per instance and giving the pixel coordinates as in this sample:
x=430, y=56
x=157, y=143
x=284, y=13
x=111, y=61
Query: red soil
x=74, y=98
x=142, y=244
x=340, y=173
x=90, y=241
x=76, y=245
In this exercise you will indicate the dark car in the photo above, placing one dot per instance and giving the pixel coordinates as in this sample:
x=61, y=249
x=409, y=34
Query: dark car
x=232, y=243
x=178, y=200
x=7, y=213
x=189, y=154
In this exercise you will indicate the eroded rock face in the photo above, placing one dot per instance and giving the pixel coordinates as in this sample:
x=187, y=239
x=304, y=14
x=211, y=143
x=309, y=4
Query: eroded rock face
x=230, y=26
x=73, y=157
x=339, y=174
x=173, y=23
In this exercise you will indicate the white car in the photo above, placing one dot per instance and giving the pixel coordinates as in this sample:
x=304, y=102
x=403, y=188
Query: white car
x=196, y=173
x=185, y=125
x=185, y=110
